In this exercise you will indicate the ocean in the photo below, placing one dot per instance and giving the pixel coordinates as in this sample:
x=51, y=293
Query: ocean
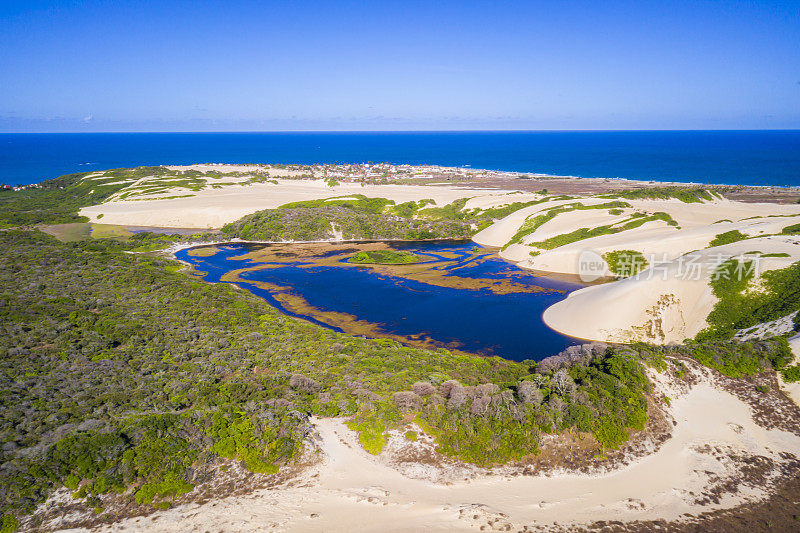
x=719, y=157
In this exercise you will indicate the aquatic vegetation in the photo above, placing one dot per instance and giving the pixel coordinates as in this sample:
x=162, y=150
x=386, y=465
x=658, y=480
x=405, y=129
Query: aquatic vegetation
x=310, y=281
x=384, y=257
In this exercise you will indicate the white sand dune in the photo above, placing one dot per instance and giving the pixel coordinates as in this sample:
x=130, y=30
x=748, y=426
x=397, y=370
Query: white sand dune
x=698, y=224
x=664, y=303
x=350, y=490
x=213, y=208
x=646, y=308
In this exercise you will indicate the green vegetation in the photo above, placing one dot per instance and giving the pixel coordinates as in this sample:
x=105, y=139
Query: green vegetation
x=384, y=257
x=739, y=359
x=727, y=238
x=684, y=194
x=355, y=202
x=122, y=377
x=118, y=373
x=57, y=201
x=794, y=229
x=625, y=263
x=8, y=524
x=603, y=394
x=355, y=217
x=739, y=308
x=791, y=374
x=311, y=224
x=534, y=222
x=776, y=254
x=636, y=220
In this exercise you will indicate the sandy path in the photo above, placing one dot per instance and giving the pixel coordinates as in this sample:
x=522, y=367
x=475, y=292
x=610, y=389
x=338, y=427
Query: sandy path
x=352, y=490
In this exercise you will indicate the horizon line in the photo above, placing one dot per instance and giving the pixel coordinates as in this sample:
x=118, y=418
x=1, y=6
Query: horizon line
x=395, y=131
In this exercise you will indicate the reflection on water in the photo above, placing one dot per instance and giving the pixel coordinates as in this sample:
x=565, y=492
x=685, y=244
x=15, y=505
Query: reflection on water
x=459, y=296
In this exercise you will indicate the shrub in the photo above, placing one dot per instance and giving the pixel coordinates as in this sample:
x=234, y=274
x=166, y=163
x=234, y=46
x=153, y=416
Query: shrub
x=625, y=263
x=304, y=384
x=407, y=401
x=737, y=309
x=529, y=393
x=791, y=374
x=423, y=388
x=727, y=238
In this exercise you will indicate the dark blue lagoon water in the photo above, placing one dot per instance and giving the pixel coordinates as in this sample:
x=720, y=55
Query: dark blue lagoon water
x=459, y=297
x=732, y=157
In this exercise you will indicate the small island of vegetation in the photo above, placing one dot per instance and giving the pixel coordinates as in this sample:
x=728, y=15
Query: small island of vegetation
x=384, y=257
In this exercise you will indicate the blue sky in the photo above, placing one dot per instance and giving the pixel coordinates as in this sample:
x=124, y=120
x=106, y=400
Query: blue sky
x=340, y=65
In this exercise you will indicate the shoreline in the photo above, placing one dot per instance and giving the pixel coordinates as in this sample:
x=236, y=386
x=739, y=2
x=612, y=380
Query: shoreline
x=509, y=174
x=349, y=320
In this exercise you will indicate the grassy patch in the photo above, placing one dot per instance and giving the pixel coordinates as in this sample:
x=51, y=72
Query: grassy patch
x=356, y=202
x=110, y=231
x=625, y=263
x=794, y=229
x=727, y=238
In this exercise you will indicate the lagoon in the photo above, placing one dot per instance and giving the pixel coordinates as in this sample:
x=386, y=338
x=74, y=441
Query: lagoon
x=459, y=296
